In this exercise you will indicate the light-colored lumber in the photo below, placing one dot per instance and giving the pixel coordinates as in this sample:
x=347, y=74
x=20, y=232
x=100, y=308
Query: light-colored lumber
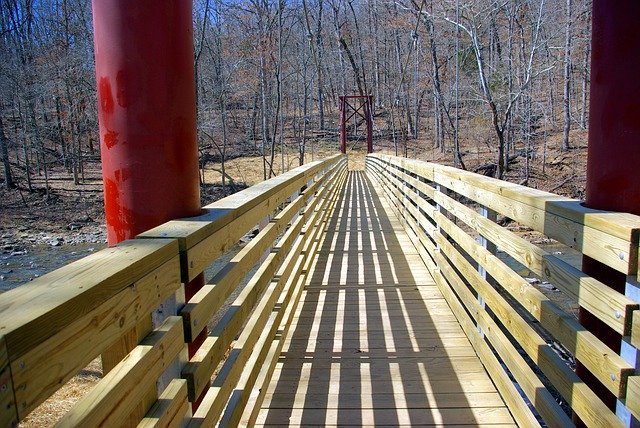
x=111, y=401
x=605, y=236
x=632, y=400
x=316, y=227
x=328, y=338
x=610, y=368
x=201, y=307
x=599, y=299
x=171, y=409
x=260, y=328
x=430, y=400
x=622, y=225
x=9, y=414
x=580, y=397
x=516, y=404
x=255, y=334
x=218, y=214
x=50, y=364
x=605, y=364
x=199, y=370
x=387, y=417
x=635, y=329
x=202, y=239
x=33, y=312
x=541, y=398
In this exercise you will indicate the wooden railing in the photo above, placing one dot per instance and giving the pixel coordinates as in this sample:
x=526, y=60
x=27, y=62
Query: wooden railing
x=51, y=328
x=514, y=327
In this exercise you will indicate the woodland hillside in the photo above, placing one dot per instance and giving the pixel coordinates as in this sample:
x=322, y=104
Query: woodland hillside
x=500, y=87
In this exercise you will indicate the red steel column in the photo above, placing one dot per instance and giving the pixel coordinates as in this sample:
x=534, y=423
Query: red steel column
x=147, y=113
x=147, y=116
x=613, y=182
x=343, y=125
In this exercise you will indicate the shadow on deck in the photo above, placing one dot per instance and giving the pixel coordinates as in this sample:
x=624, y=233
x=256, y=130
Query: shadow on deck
x=374, y=341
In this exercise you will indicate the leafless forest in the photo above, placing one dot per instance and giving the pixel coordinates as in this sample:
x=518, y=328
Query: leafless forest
x=506, y=75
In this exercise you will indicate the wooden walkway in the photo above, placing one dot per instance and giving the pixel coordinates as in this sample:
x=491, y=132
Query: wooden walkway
x=373, y=341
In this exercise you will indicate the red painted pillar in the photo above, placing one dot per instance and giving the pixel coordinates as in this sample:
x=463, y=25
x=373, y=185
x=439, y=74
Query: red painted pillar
x=343, y=125
x=147, y=113
x=613, y=182
x=147, y=116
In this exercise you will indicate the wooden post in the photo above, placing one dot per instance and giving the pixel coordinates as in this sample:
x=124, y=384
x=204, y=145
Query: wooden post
x=491, y=247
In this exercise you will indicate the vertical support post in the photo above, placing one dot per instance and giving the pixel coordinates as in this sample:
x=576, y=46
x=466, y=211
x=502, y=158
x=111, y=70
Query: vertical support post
x=147, y=115
x=343, y=125
x=614, y=142
x=147, y=118
x=491, y=247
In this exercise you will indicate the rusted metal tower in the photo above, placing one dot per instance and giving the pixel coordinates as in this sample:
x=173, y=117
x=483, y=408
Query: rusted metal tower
x=360, y=106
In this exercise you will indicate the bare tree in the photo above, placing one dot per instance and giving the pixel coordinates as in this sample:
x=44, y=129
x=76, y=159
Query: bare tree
x=566, y=101
x=499, y=109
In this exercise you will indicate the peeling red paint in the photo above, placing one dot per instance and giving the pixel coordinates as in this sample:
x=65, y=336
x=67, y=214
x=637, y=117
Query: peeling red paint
x=106, y=97
x=110, y=139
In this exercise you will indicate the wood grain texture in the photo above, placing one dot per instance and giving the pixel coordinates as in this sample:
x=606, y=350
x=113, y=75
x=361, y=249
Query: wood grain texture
x=252, y=345
x=609, y=367
x=607, y=304
x=532, y=387
x=633, y=395
x=172, y=408
x=217, y=215
x=9, y=414
x=33, y=312
x=609, y=237
x=252, y=397
x=50, y=364
x=635, y=329
x=113, y=399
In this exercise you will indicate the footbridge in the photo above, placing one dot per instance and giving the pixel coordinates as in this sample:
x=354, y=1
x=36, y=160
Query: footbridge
x=388, y=296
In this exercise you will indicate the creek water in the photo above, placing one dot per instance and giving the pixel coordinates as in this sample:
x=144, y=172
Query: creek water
x=19, y=267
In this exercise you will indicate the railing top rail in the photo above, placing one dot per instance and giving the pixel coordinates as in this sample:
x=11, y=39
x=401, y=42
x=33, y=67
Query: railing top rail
x=622, y=225
x=33, y=312
x=608, y=236
x=190, y=231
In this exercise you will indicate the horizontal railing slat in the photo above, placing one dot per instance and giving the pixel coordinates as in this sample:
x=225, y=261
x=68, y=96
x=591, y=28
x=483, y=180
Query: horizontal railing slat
x=613, y=309
x=217, y=215
x=428, y=211
x=44, y=368
x=605, y=236
x=112, y=400
x=172, y=408
x=286, y=303
x=567, y=383
x=40, y=309
x=256, y=334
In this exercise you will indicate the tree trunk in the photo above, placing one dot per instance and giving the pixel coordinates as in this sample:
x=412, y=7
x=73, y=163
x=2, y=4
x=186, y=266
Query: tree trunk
x=585, y=85
x=4, y=152
x=567, y=79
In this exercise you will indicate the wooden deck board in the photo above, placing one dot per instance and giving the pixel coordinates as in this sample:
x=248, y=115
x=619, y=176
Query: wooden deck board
x=373, y=342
